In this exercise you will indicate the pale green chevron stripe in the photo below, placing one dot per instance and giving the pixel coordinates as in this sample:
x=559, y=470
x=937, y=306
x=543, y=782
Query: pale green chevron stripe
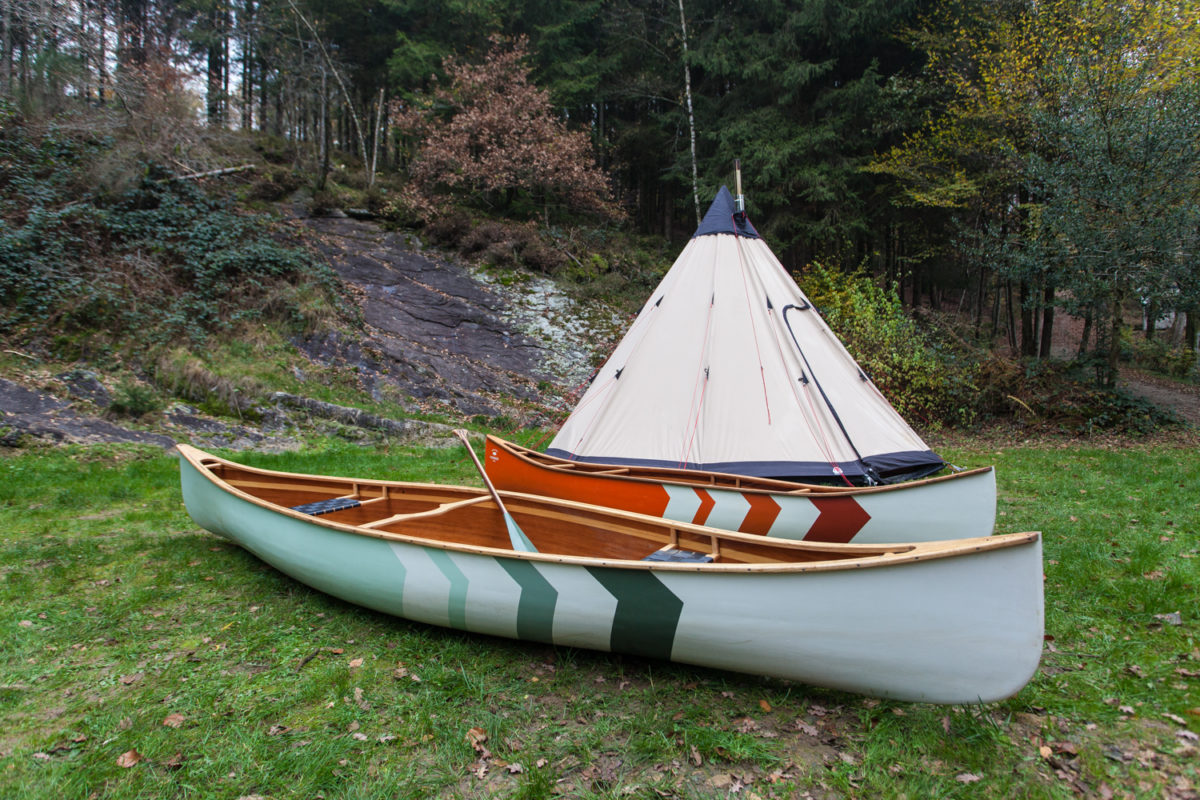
x=457, y=604
x=535, y=612
x=403, y=576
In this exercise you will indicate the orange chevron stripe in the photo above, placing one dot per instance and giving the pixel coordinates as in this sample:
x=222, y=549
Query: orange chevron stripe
x=840, y=519
x=706, y=507
x=762, y=514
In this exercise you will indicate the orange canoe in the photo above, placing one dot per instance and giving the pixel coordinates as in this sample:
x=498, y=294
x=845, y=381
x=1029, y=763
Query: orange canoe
x=946, y=507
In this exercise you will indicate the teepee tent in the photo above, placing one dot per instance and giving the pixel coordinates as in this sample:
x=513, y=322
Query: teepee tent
x=729, y=368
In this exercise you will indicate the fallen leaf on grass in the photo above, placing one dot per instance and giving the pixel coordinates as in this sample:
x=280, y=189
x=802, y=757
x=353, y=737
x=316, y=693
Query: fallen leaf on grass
x=515, y=768
x=1044, y=751
x=1174, y=618
x=476, y=738
x=1187, y=735
x=401, y=672
x=694, y=755
x=1178, y=720
x=129, y=758
x=764, y=705
x=967, y=777
x=41, y=756
x=25, y=623
x=805, y=728
x=745, y=725
x=275, y=730
x=131, y=679
x=174, y=762
x=173, y=720
x=360, y=736
x=355, y=663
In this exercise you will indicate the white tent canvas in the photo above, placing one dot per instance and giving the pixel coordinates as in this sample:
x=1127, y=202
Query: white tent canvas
x=730, y=368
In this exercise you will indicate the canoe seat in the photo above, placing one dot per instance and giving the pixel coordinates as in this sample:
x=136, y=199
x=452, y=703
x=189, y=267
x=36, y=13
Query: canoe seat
x=675, y=554
x=327, y=506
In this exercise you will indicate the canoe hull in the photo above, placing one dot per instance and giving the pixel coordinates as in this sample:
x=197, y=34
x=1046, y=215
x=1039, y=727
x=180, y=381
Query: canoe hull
x=948, y=630
x=951, y=507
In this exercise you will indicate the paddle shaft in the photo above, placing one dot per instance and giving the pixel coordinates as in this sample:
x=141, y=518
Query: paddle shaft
x=515, y=532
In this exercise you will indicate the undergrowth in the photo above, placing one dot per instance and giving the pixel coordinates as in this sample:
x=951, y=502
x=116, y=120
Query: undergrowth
x=934, y=379
x=154, y=260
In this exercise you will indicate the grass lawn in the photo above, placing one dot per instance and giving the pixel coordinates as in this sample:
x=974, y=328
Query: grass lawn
x=143, y=657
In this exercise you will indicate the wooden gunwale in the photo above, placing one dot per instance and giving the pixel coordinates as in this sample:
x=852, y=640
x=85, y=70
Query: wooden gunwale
x=841, y=557
x=703, y=478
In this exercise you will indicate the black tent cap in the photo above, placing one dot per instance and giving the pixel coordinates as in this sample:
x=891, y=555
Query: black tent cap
x=722, y=217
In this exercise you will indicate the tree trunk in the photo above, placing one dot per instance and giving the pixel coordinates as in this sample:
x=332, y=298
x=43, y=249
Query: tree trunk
x=1012, y=321
x=375, y=139
x=1113, y=362
x=1047, y=321
x=323, y=147
x=1029, y=346
x=8, y=49
x=687, y=88
x=1087, y=332
x=1189, y=330
x=980, y=297
x=1151, y=319
x=102, y=59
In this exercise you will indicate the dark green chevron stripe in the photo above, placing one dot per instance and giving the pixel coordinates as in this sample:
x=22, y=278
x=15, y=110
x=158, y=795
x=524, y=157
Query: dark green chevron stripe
x=535, y=611
x=647, y=611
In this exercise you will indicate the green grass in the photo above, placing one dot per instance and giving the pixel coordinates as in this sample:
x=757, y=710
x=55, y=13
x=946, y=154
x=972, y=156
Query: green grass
x=117, y=612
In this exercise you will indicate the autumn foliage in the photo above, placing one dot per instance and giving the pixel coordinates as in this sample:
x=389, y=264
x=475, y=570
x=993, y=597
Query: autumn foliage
x=489, y=135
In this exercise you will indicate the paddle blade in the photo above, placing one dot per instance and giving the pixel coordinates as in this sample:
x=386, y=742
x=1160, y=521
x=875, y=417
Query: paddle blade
x=520, y=542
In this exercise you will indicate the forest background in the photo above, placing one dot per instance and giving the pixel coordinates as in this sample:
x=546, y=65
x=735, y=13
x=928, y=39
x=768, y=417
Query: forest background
x=986, y=166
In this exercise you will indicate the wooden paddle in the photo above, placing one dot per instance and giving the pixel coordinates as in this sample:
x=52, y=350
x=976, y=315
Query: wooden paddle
x=516, y=536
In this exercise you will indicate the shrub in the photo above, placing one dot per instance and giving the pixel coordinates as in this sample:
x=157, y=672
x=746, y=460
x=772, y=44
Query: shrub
x=1162, y=356
x=1063, y=396
x=925, y=381
x=132, y=399
x=448, y=229
x=489, y=134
